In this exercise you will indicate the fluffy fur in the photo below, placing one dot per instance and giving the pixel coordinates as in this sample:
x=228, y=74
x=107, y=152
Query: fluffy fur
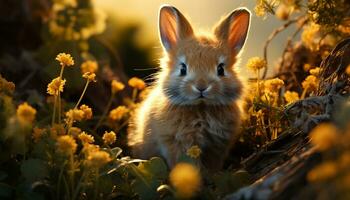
x=176, y=114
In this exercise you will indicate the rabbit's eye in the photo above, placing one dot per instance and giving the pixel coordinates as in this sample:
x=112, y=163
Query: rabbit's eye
x=220, y=69
x=183, y=69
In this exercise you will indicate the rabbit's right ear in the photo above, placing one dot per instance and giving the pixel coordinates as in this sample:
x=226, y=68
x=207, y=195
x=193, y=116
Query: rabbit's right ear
x=173, y=27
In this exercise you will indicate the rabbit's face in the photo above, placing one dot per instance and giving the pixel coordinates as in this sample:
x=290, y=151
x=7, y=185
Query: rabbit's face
x=201, y=71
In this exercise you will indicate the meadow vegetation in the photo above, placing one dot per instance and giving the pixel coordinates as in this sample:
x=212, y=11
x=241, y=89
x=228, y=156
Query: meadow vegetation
x=60, y=147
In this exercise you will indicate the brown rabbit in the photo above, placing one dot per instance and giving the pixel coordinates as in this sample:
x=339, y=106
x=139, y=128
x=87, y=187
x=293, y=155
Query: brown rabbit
x=194, y=100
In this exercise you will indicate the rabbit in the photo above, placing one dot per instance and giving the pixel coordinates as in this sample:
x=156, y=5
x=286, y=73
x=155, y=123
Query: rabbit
x=194, y=100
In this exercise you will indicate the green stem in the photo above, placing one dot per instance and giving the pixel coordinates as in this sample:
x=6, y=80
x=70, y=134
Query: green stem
x=59, y=96
x=77, y=189
x=134, y=95
x=82, y=94
x=97, y=184
x=303, y=94
x=59, y=107
x=104, y=114
x=60, y=179
x=54, y=111
x=66, y=187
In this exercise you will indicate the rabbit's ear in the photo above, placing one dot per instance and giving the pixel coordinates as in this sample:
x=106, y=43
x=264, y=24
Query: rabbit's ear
x=234, y=28
x=173, y=27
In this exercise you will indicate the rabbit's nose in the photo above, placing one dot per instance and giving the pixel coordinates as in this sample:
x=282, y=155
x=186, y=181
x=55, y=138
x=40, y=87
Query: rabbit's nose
x=201, y=89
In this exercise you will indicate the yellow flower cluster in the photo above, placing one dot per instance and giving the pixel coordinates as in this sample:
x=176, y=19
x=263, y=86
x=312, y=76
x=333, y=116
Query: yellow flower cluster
x=69, y=26
x=186, y=180
x=291, y=97
x=98, y=158
x=324, y=136
x=117, y=86
x=273, y=85
x=260, y=9
x=75, y=115
x=310, y=36
x=91, y=77
x=6, y=86
x=194, y=152
x=25, y=113
x=37, y=134
x=283, y=12
x=65, y=59
x=109, y=137
x=86, y=138
x=89, y=66
x=55, y=86
x=118, y=113
x=322, y=172
x=310, y=83
x=74, y=131
x=83, y=113
x=87, y=111
x=57, y=129
x=66, y=144
x=137, y=83
x=347, y=70
x=256, y=63
x=316, y=71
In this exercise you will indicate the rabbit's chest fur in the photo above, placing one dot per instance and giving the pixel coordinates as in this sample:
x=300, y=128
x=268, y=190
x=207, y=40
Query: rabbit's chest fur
x=169, y=131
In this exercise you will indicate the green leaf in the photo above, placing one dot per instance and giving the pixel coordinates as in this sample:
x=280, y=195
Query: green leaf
x=116, y=151
x=228, y=182
x=154, y=168
x=34, y=169
x=149, y=176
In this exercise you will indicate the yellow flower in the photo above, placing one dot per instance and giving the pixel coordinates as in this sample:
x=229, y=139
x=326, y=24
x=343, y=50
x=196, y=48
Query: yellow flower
x=89, y=66
x=6, y=86
x=347, y=70
x=322, y=172
x=291, y=97
x=98, y=158
x=324, y=136
x=117, y=86
x=260, y=10
x=37, y=133
x=273, y=85
x=194, y=151
x=310, y=83
x=66, y=144
x=57, y=129
x=74, y=131
x=256, y=63
x=316, y=71
x=87, y=111
x=90, y=76
x=311, y=36
x=118, y=113
x=307, y=67
x=186, y=180
x=86, y=138
x=89, y=148
x=25, y=113
x=55, y=86
x=65, y=59
x=282, y=12
x=75, y=115
x=109, y=137
x=137, y=83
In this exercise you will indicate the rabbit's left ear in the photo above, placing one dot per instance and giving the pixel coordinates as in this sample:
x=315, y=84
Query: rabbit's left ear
x=234, y=28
